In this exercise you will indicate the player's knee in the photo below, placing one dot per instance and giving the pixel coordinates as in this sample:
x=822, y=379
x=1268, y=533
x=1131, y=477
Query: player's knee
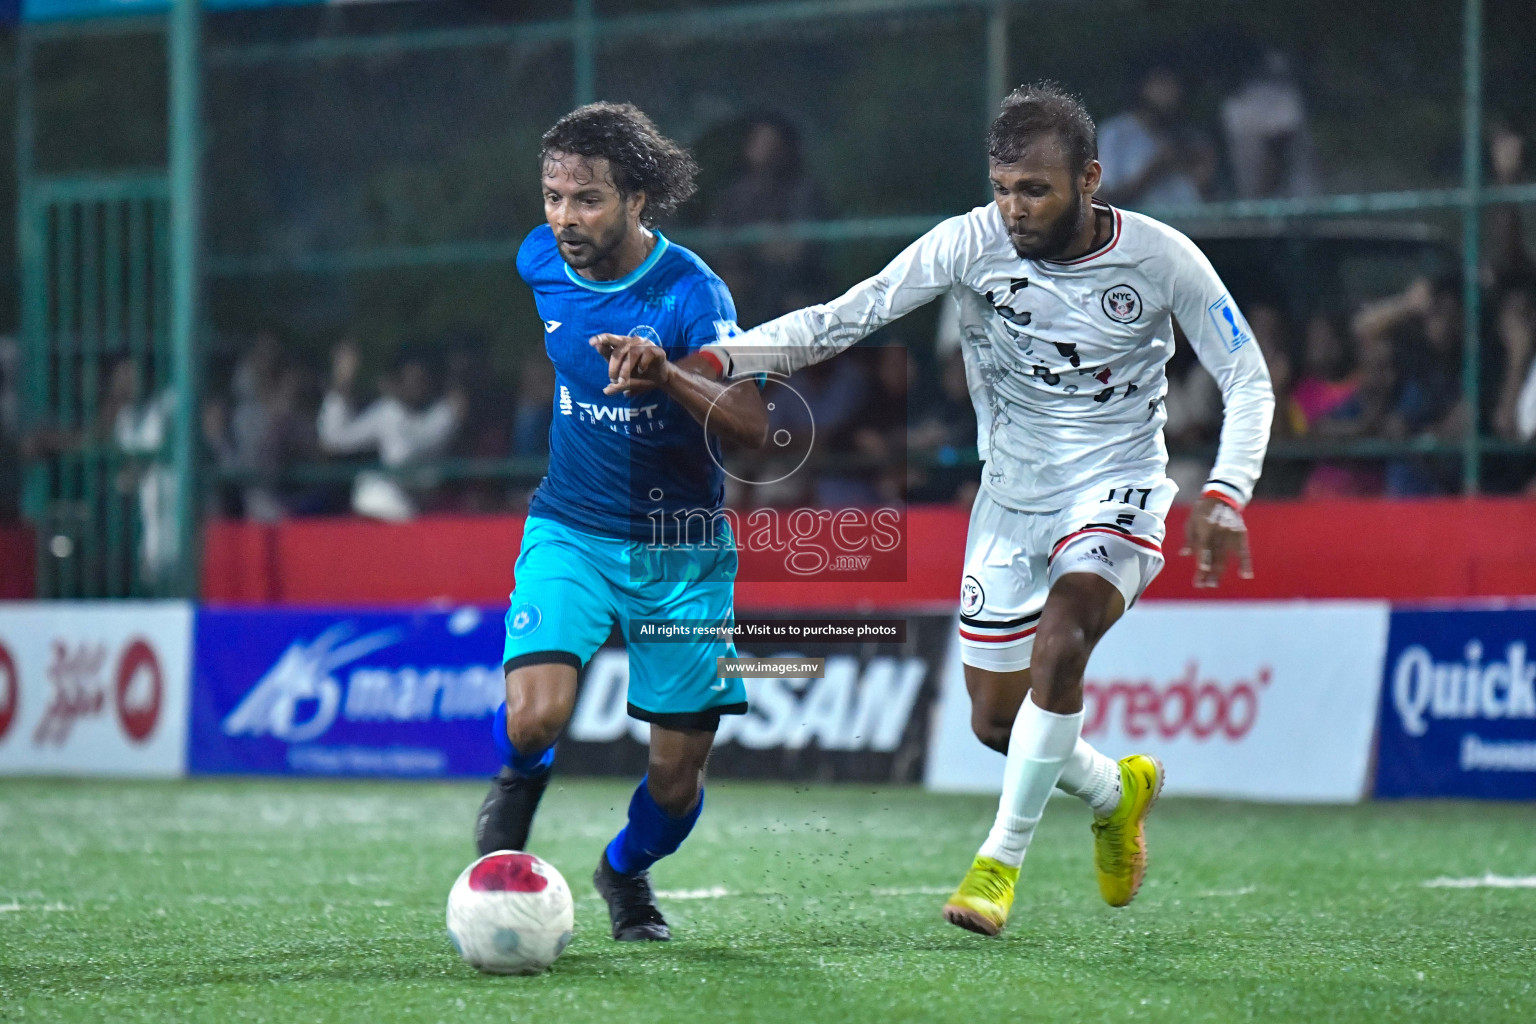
x=991, y=730
x=675, y=788
x=534, y=723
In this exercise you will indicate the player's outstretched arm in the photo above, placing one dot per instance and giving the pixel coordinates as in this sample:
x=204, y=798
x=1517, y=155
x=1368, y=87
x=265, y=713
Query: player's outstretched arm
x=732, y=409
x=923, y=271
x=1224, y=343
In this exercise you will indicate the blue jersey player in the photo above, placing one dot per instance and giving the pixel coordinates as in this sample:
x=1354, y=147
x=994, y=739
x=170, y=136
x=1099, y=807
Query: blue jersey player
x=622, y=464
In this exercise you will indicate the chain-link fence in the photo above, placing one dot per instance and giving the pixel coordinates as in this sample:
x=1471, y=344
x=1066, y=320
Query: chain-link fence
x=369, y=171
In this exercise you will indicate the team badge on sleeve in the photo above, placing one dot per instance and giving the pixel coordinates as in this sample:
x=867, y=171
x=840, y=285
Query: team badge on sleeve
x=1122, y=304
x=522, y=620
x=1229, y=323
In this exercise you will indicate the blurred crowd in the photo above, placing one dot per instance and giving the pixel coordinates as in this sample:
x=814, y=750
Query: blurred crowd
x=1390, y=369
x=430, y=428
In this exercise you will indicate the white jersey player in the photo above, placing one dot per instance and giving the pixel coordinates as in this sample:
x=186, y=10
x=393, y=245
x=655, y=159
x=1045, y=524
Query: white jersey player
x=1067, y=308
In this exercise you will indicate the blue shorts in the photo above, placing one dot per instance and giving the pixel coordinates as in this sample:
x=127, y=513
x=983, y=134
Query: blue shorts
x=572, y=586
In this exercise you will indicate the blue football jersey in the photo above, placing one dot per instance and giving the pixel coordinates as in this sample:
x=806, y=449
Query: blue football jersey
x=621, y=464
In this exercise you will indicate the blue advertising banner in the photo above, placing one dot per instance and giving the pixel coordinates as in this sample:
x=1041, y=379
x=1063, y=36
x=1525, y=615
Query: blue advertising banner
x=345, y=693
x=1458, y=709
x=411, y=693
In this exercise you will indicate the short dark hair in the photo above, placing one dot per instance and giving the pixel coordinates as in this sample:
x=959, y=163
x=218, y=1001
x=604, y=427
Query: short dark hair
x=643, y=159
x=1043, y=108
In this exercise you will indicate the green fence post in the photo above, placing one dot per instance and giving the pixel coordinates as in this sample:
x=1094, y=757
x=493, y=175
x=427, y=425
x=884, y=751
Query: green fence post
x=1471, y=222
x=185, y=175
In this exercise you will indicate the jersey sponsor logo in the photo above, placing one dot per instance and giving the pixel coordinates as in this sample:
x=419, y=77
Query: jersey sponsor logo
x=1121, y=304
x=972, y=597
x=1199, y=708
x=660, y=298
x=1229, y=323
x=618, y=413
x=565, y=400
x=523, y=620
x=551, y=326
x=1425, y=690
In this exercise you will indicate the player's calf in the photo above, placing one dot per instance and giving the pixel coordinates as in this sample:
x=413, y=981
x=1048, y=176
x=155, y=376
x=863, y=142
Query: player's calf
x=506, y=814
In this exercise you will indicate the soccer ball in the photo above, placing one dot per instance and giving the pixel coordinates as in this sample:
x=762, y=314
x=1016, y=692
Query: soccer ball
x=510, y=913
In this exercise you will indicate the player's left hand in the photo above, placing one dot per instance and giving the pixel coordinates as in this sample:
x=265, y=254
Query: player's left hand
x=1214, y=532
x=634, y=364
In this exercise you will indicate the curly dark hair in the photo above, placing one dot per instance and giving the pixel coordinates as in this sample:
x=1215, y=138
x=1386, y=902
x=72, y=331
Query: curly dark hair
x=642, y=159
x=1031, y=111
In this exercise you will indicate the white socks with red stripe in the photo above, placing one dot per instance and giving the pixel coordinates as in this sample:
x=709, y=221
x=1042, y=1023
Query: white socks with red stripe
x=1093, y=777
x=1038, y=749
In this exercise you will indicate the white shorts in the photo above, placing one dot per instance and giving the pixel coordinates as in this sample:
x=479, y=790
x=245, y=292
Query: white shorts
x=1012, y=558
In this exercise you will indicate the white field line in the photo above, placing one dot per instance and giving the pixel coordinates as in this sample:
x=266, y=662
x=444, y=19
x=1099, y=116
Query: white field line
x=46, y=908
x=1246, y=890
x=717, y=892
x=714, y=892
x=1488, y=881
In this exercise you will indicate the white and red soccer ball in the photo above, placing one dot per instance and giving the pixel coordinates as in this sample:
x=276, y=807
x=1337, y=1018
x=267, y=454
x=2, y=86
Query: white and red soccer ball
x=510, y=913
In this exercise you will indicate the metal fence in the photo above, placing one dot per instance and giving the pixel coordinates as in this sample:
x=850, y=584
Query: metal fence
x=215, y=246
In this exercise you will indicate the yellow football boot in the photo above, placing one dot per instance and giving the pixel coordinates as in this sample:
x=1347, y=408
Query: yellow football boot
x=1120, y=840
x=985, y=895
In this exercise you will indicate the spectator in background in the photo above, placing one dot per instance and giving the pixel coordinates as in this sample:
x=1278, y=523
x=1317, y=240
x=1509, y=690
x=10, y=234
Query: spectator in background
x=1150, y=153
x=1283, y=478
x=942, y=440
x=405, y=426
x=1193, y=405
x=771, y=279
x=268, y=429
x=1509, y=261
x=1511, y=272
x=1422, y=326
x=1269, y=143
x=876, y=437
x=1515, y=416
x=833, y=395
x=140, y=425
x=531, y=420
x=1333, y=401
x=535, y=409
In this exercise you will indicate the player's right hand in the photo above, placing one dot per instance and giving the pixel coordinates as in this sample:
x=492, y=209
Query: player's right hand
x=1214, y=533
x=634, y=364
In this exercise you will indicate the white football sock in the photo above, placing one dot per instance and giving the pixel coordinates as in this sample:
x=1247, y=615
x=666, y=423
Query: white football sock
x=1038, y=748
x=1092, y=776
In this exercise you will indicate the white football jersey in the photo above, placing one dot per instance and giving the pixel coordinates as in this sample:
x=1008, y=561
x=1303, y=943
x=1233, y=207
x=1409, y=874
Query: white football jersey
x=1065, y=360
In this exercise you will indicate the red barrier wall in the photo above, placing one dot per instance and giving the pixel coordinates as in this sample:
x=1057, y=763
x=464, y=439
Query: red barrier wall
x=18, y=569
x=1440, y=548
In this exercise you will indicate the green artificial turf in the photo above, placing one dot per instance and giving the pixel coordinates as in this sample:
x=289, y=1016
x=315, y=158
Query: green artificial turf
x=323, y=901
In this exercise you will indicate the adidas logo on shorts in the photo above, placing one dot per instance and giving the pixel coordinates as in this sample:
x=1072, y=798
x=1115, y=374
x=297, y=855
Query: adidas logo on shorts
x=1099, y=554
